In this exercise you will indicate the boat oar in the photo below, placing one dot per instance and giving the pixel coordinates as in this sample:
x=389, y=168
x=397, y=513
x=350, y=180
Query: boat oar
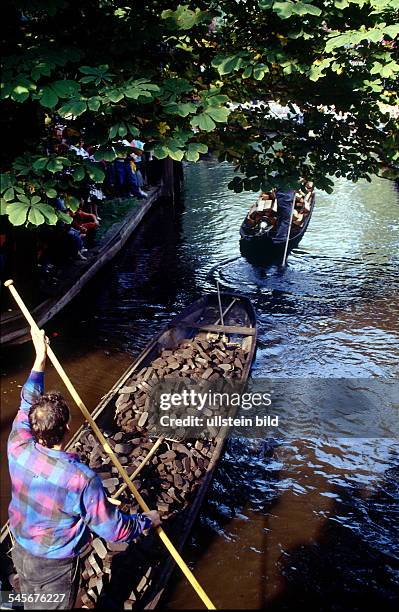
x=121, y=470
x=289, y=232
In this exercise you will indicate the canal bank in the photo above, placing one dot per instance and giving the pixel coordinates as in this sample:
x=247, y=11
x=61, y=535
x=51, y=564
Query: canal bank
x=286, y=522
x=55, y=289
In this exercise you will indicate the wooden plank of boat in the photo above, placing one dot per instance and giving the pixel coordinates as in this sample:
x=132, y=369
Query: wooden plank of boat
x=13, y=325
x=138, y=578
x=224, y=329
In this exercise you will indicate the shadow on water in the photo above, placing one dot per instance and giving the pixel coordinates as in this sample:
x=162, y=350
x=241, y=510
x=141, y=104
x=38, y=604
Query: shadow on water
x=293, y=539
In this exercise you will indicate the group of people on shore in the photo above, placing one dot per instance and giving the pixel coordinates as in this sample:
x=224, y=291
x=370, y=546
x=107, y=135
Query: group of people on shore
x=124, y=178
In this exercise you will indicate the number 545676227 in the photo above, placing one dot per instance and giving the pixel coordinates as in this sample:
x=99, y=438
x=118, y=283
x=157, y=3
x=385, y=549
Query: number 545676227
x=35, y=597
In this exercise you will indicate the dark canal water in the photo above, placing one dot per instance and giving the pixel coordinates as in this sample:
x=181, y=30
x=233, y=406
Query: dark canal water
x=287, y=522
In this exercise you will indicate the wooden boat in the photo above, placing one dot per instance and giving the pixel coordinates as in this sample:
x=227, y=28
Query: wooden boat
x=258, y=239
x=134, y=577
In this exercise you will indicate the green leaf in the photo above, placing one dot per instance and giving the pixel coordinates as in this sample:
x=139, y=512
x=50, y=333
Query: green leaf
x=9, y=194
x=212, y=98
x=192, y=156
x=79, y=174
x=228, y=64
x=49, y=97
x=65, y=88
x=35, y=217
x=17, y=212
x=95, y=173
x=176, y=154
x=161, y=151
x=204, y=122
x=113, y=130
x=88, y=70
x=88, y=79
x=133, y=130
x=51, y=193
x=20, y=93
x=6, y=181
x=23, y=199
x=115, y=95
x=182, y=109
x=392, y=30
x=73, y=107
x=122, y=130
x=140, y=88
x=94, y=103
x=40, y=163
x=48, y=213
x=285, y=10
x=54, y=165
x=105, y=154
x=194, y=149
x=183, y=18
x=96, y=74
x=72, y=202
x=64, y=217
x=260, y=71
x=218, y=114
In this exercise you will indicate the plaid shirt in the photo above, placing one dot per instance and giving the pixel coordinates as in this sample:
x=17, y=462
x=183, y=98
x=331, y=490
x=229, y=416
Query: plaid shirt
x=56, y=500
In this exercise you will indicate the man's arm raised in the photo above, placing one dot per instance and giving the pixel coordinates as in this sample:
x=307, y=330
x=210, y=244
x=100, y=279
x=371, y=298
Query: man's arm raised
x=40, y=343
x=33, y=388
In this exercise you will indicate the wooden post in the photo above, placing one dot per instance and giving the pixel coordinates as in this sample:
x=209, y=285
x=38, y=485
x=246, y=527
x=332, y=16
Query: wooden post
x=167, y=179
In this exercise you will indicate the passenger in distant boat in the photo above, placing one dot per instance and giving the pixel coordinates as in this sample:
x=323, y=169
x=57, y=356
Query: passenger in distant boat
x=56, y=500
x=263, y=208
x=284, y=209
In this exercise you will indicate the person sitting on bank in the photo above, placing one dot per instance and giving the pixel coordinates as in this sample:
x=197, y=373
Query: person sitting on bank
x=86, y=223
x=56, y=500
x=75, y=240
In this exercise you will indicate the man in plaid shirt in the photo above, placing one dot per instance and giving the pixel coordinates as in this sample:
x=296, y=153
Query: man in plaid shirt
x=56, y=500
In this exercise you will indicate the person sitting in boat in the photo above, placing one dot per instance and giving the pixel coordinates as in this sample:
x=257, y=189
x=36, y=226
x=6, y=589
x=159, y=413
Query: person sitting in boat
x=262, y=209
x=56, y=500
x=299, y=209
x=303, y=203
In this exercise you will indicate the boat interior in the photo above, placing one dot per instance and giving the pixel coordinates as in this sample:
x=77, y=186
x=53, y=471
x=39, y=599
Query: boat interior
x=263, y=214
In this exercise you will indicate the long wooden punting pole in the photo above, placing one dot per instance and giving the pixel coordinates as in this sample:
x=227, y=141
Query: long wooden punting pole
x=289, y=232
x=176, y=556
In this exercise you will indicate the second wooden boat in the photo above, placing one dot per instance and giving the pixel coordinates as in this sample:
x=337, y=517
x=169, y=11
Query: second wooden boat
x=258, y=233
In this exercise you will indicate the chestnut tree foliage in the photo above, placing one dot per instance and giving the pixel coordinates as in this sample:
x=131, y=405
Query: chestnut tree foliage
x=188, y=78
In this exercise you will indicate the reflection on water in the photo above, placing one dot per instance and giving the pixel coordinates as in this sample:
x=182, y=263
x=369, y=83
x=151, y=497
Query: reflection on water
x=287, y=521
